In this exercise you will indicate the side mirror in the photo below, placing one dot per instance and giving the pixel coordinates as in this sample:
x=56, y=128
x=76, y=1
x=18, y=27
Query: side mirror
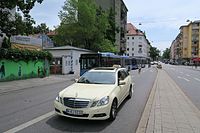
x=121, y=82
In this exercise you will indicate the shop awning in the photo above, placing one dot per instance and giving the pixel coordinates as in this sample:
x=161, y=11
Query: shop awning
x=196, y=59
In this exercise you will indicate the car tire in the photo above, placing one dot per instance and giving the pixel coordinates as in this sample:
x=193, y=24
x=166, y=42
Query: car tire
x=113, y=110
x=130, y=93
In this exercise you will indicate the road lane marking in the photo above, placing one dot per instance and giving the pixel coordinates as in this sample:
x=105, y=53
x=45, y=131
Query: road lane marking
x=197, y=79
x=187, y=75
x=172, y=68
x=29, y=123
x=183, y=78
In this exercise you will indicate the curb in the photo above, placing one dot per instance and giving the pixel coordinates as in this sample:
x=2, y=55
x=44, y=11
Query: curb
x=145, y=116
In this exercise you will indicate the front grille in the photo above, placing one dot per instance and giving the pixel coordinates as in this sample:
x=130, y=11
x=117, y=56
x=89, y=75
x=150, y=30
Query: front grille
x=76, y=103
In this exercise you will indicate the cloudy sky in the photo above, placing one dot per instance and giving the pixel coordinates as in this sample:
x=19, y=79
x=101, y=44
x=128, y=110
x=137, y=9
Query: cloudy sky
x=160, y=19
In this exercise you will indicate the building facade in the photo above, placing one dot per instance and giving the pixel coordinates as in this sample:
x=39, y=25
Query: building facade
x=66, y=59
x=137, y=44
x=120, y=9
x=187, y=43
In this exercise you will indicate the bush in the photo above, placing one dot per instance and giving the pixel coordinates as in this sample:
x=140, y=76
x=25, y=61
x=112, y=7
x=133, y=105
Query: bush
x=18, y=54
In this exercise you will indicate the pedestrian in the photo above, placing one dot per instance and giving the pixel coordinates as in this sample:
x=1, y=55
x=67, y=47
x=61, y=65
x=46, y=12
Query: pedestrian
x=139, y=69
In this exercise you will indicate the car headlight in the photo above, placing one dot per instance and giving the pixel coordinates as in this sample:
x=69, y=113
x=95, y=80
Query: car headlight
x=59, y=99
x=103, y=101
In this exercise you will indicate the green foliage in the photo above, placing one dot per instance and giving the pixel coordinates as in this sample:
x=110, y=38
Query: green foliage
x=42, y=28
x=7, y=23
x=6, y=43
x=85, y=25
x=154, y=53
x=23, y=26
x=166, y=54
x=18, y=54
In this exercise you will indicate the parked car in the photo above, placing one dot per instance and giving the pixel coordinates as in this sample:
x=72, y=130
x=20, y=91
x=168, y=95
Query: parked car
x=159, y=66
x=96, y=95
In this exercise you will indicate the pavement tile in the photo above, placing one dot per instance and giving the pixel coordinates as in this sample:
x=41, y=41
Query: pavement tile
x=183, y=125
x=170, y=125
x=171, y=111
x=184, y=130
x=169, y=130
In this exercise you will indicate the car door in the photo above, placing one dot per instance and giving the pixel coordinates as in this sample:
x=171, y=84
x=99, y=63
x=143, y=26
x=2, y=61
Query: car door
x=122, y=88
x=126, y=86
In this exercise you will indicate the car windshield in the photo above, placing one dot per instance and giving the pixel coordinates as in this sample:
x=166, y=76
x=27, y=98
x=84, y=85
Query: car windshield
x=98, y=78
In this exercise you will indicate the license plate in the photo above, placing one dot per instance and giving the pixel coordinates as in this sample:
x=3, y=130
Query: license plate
x=74, y=112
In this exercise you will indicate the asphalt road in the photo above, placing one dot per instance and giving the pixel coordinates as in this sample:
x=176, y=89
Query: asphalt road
x=26, y=107
x=187, y=79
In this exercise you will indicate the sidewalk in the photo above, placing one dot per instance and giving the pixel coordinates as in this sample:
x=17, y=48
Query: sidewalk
x=34, y=82
x=168, y=109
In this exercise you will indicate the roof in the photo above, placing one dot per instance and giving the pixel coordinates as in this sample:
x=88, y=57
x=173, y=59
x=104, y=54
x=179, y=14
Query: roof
x=68, y=48
x=132, y=30
x=51, y=33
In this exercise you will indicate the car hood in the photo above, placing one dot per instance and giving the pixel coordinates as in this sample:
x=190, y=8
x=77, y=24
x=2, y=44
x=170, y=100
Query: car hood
x=87, y=91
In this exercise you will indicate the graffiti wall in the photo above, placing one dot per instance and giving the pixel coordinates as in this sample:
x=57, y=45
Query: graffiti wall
x=12, y=70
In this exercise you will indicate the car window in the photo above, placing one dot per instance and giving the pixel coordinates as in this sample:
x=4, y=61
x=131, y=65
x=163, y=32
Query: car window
x=98, y=78
x=122, y=75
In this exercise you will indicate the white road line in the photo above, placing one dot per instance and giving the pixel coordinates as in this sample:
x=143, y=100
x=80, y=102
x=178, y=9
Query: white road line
x=186, y=79
x=187, y=75
x=29, y=123
x=172, y=68
x=183, y=78
x=197, y=79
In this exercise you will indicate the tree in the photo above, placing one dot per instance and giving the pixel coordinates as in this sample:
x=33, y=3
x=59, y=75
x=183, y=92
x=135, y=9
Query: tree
x=7, y=21
x=154, y=53
x=23, y=26
x=85, y=25
x=42, y=28
x=166, y=54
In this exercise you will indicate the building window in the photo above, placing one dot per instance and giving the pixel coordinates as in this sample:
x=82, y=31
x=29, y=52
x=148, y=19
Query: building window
x=140, y=38
x=133, y=38
x=128, y=38
x=132, y=43
x=127, y=54
x=132, y=49
x=132, y=54
x=76, y=62
x=127, y=43
x=139, y=45
x=69, y=63
x=127, y=49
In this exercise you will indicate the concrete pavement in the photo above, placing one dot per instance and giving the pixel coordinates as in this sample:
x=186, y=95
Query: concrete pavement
x=168, y=109
x=34, y=82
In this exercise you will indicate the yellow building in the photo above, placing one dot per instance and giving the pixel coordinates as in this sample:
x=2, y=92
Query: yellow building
x=189, y=42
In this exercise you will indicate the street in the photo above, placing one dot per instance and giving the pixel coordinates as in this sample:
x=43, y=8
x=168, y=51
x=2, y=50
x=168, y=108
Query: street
x=31, y=109
x=188, y=79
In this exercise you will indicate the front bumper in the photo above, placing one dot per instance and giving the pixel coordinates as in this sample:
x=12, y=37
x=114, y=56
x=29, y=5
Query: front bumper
x=94, y=113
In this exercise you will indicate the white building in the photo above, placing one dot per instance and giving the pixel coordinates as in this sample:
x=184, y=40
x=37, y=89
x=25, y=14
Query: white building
x=66, y=59
x=137, y=44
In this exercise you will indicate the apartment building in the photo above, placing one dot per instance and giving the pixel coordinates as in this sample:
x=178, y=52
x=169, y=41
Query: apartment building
x=137, y=44
x=187, y=43
x=120, y=9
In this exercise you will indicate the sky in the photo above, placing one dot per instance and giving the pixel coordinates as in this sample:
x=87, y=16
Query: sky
x=160, y=19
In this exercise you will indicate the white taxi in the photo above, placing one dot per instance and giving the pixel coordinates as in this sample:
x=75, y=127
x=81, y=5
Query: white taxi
x=96, y=95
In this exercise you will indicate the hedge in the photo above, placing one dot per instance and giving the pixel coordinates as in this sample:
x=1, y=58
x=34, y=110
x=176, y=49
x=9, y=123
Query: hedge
x=26, y=55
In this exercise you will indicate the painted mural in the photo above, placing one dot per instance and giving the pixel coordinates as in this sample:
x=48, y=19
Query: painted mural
x=13, y=70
